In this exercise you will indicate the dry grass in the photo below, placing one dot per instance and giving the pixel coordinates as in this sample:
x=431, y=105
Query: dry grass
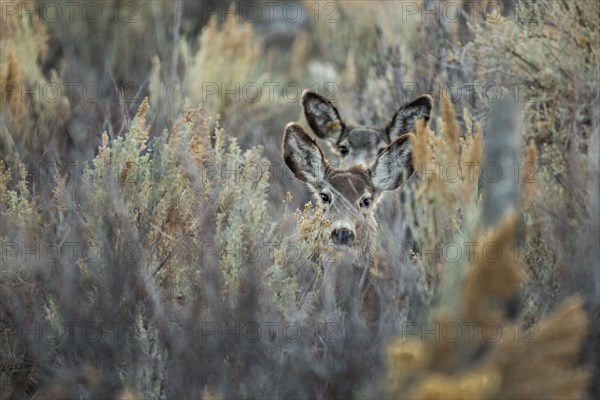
x=159, y=223
x=466, y=361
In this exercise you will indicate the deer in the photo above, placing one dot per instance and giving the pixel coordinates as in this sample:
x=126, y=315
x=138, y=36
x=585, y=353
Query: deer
x=353, y=144
x=347, y=196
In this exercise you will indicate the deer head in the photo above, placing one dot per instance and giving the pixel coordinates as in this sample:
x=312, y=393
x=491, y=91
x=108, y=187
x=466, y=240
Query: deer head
x=347, y=196
x=360, y=144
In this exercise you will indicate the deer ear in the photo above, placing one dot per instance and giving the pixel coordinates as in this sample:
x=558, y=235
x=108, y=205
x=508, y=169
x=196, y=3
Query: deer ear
x=302, y=155
x=322, y=116
x=393, y=165
x=407, y=116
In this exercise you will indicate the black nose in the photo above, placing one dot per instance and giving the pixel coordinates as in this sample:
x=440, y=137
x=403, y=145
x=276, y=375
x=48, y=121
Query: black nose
x=342, y=236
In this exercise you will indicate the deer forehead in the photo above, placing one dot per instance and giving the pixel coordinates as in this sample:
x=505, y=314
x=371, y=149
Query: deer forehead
x=363, y=138
x=351, y=184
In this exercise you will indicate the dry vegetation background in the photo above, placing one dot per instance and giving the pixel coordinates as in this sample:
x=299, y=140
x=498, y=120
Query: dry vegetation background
x=149, y=224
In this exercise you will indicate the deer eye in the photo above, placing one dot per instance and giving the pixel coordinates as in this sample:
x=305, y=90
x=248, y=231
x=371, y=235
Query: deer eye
x=343, y=150
x=366, y=202
x=325, y=198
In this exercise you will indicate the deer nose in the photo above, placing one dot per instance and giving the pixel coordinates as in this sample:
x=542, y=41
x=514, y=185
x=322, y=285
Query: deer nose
x=342, y=236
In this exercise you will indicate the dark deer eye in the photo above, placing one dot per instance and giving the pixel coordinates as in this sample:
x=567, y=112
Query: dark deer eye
x=343, y=150
x=325, y=198
x=366, y=202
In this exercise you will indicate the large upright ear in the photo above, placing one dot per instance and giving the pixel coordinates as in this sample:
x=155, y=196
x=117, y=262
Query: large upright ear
x=302, y=155
x=407, y=116
x=322, y=116
x=392, y=165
